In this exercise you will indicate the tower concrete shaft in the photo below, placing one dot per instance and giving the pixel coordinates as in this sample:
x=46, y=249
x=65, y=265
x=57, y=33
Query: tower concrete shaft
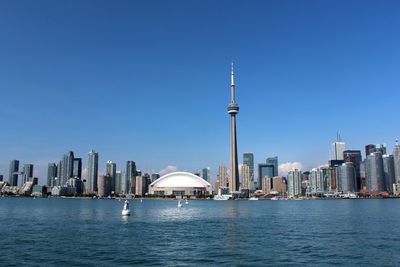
x=233, y=109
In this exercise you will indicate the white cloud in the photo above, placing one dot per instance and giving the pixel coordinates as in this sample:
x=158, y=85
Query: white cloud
x=287, y=166
x=168, y=169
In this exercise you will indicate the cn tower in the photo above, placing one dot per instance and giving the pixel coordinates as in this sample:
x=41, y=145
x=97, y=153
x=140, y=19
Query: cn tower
x=233, y=109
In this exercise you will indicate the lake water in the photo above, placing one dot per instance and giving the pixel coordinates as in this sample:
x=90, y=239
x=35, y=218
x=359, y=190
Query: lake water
x=86, y=232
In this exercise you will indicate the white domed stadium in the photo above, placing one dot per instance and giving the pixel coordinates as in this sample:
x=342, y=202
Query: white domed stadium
x=180, y=184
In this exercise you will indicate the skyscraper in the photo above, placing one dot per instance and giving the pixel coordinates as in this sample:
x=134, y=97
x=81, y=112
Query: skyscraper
x=206, y=174
x=67, y=167
x=354, y=156
x=374, y=172
x=51, y=174
x=222, y=177
x=77, y=170
x=233, y=109
x=245, y=175
x=294, y=182
x=388, y=172
x=27, y=173
x=92, y=172
x=111, y=170
x=337, y=150
x=370, y=148
x=396, y=159
x=59, y=173
x=13, y=173
x=131, y=176
x=273, y=161
x=248, y=159
x=118, y=182
x=346, y=177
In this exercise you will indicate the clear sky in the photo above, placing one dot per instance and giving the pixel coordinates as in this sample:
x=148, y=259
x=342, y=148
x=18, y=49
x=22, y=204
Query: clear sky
x=149, y=81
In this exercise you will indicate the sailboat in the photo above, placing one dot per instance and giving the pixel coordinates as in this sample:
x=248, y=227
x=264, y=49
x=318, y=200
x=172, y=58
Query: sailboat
x=125, y=210
x=179, y=204
x=186, y=202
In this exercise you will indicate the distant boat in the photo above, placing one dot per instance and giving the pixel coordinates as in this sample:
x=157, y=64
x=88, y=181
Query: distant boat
x=253, y=198
x=221, y=196
x=125, y=210
x=141, y=200
x=180, y=204
x=186, y=202
x=274, y=198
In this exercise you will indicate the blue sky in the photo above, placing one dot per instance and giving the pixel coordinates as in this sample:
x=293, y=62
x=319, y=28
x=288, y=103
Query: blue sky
x=149, y=81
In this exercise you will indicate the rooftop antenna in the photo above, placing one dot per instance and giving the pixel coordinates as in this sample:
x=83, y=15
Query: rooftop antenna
x=338, y=137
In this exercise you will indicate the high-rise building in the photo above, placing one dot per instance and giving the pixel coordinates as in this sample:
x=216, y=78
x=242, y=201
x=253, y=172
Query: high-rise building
x=388, y=172
x=154, y=177
x=51, y=174
x=273, y=161
x=222, y=177
x=381, y=148
x=294, y=182
x=316, y=180
x=370, y=148
x=27, y=173
x=332, y=179
x=67, y=167
x=233, y=109
x=77, y=170
x=346, y=174
x=396, y=159
x=374, y=172
x=111, y=170
x=264, y=170
x=92, y=172
x=141, y=185
x=362, y=175
x=206, y=174
x=104, y=186
x=13, y=173
x=337, y=150
x=245, y=174
x=130, y=176
x=118, y=182
x=355, y=157
x=248, y=159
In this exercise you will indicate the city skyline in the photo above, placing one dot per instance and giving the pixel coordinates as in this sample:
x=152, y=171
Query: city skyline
x=304, y=75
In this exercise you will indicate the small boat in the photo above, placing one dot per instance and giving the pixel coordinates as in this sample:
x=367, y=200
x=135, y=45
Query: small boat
x=141, y=200
x=125, y=210
x=274, y=198
x=186, y=202
x=253, y=198
x=180, y=204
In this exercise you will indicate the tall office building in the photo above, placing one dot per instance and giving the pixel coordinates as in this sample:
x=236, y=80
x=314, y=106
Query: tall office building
x=388, y=172
x=59, y=173
x=245, y=174
x=77, y=170
x=154, y=176
x=374, y=172
x=346, y=174
x=337, y=150
x=118, y=182
x=51, y=174
x=273, y=161
x=222, y=176
x=67, y=167
x=123, y=189
x=279, y=185
x=362, y=174
x=370, y=148
x=294, y=182
x=233, y=109
x=13, y=173
x=206, y=174
x=264, y=170
x=266, y=185
x=248, y=159
x=381, y=148
x=131, y=175
x=111, y=170
x=396, y=159
x=92, y=172
x=355, y=157
x=27, y=173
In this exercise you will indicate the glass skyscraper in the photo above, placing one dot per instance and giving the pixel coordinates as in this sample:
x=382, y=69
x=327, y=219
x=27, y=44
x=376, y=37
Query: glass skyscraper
x=346, y=177
x=264, y=170
x=51, y=174
x=131, y=176
x=67, y=167
x=355, y=157
x=92, y=172
x=77, y=171
x=396, y=159
x=13, y=173
x=248, y=159
x=27, y=173
x=273, y=161
x=388, y=172
x=374, y=179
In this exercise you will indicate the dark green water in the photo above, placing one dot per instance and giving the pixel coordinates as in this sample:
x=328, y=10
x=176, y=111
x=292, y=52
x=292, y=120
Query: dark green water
x=84, y=232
